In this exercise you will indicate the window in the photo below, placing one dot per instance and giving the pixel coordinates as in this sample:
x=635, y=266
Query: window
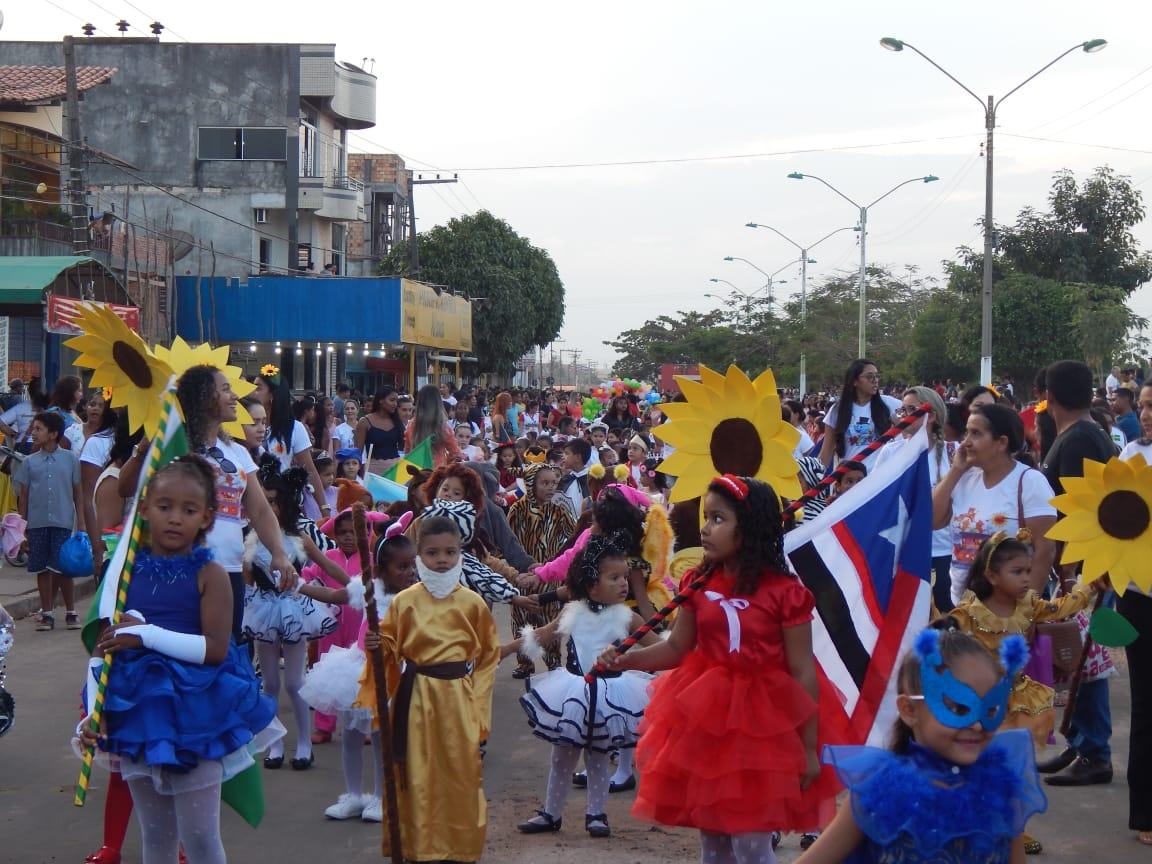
x=265, y=254
x=251, y=142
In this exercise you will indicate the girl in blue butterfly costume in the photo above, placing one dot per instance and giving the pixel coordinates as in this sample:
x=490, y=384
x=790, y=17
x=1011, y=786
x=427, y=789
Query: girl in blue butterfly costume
x=950, y=790
x=183, y=710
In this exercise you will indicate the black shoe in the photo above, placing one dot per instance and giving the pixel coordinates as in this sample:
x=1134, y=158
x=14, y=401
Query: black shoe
x=580, y=780
x=541, y=823
x=302, y=763
x=807, y=839
x=273, y=763
x=627, y=786
x=1083, y=772
x=1058, y=762
x=597, y=825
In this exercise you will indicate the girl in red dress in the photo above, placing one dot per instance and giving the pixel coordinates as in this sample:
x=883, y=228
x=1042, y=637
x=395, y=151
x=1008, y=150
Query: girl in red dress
x=728, y=743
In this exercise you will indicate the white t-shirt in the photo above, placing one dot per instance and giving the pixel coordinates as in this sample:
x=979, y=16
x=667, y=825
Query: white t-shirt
x=300, y=442
x=1118, y=437
x=19, y=417
x=97, y=447
x=805, y=445
x=1134, y=447
x=344, y=436
x=861, y=431
x=530, y=422
x=939, y=461
x=226, y=539
x=979, y=512
x=1111, y=382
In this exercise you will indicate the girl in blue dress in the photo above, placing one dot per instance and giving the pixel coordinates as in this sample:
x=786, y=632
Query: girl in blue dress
x=950, y=790
x=183, y=710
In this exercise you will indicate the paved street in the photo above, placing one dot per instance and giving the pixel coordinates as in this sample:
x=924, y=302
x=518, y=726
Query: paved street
x=39, y=824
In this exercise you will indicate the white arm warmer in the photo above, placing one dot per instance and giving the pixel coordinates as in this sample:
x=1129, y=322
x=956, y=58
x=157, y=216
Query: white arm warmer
x=179, y=646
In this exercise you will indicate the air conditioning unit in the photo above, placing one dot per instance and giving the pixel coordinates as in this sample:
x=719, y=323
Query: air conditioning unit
x=261, y=216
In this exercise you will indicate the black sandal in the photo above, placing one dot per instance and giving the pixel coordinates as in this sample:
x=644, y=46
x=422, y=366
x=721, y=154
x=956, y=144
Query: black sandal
x=596, y=824
x=542, y=823
x=273, y=763
x=301, y=763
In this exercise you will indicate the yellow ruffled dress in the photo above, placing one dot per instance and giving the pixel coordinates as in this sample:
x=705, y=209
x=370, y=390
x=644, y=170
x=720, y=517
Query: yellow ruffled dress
x=1030, y=706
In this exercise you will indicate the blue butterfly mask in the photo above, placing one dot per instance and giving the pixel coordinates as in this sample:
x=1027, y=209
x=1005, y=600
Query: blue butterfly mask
x=955, y=704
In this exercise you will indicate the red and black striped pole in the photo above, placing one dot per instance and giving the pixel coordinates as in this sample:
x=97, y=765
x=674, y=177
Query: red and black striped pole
x=789, y=512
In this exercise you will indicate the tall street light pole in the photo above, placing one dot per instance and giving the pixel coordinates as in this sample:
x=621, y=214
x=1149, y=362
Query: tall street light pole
x=989, y=108
x=863, y=209
x=804, y=262
x=771, y=277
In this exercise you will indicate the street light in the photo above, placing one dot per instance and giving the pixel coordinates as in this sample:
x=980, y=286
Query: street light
x=863, y=229
x=805, y=260
x=771, y=277
x=989, y=108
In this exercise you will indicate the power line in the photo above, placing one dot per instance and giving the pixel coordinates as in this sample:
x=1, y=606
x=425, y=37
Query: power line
x=1103, y=95
x=108, y=11
x=74, y=15
x=1078, y=143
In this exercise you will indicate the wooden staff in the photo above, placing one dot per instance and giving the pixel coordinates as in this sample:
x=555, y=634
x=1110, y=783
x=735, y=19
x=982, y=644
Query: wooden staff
x=379, y=678
x=788, y=512
x=1077, y=679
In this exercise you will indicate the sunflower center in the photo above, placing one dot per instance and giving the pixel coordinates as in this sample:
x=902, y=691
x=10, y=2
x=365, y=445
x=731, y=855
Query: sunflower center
x=132, y=364
x=1123, y=514
x=736, y=448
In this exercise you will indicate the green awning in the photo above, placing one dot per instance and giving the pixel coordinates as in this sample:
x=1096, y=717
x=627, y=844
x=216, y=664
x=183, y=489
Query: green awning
x=24, y=278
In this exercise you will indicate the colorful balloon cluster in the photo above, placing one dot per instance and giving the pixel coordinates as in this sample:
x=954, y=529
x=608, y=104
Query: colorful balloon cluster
x=602, y=395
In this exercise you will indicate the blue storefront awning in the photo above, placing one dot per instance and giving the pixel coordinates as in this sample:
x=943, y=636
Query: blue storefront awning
x=295, y=308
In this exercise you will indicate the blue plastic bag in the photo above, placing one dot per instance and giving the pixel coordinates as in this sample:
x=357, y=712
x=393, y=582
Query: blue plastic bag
x=76, y=556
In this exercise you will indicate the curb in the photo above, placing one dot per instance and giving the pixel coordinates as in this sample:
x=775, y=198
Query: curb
x=29, y=602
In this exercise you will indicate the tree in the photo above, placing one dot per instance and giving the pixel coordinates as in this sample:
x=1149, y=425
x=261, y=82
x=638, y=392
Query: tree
x=689, y=337
x=1085, y=236
x=480, y=256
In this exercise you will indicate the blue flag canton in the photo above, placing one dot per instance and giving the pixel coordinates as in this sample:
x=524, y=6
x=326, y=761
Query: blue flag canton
x=897, y=520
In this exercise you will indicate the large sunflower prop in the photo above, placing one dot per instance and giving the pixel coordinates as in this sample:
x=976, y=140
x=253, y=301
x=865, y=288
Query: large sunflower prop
x=1107, y=517
x=729, y=425
x=120, y=360
x=182, y=357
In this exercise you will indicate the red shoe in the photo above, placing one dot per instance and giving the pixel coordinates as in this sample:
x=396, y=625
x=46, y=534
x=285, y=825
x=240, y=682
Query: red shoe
x=104, y=855
x=321, y=737
x=183, y=860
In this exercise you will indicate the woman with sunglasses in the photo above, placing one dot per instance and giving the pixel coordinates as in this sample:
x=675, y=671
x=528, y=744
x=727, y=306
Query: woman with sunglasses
x=208, y=401
x=860, y=416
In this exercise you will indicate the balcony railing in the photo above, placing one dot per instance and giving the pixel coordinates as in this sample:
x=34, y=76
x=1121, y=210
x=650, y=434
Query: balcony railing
x=343, y=181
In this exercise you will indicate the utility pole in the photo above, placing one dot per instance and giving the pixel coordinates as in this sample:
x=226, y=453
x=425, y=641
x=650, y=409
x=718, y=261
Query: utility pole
x=76, y=203
x=413, y=249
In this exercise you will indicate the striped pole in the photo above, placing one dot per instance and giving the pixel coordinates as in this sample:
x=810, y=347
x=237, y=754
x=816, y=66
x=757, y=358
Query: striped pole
x=789, y=512
x=155, y=449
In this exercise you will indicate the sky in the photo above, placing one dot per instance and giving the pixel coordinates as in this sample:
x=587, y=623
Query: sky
x=487, y=89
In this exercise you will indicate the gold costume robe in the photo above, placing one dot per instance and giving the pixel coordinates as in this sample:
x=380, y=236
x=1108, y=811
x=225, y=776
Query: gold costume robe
x=443, y=814
x=1030, y=705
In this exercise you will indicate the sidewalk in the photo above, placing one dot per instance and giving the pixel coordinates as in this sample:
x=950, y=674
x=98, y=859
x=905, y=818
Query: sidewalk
x=18, y=590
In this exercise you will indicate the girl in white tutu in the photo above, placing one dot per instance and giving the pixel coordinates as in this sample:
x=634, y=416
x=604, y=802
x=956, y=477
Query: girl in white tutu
x=333, y=685
x=279, y=619
x=575, y=716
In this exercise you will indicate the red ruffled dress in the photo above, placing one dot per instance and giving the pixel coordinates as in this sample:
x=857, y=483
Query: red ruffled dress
x=720, y=744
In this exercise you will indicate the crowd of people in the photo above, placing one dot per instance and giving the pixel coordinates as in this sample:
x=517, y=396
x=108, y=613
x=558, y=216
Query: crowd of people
x=250, y=587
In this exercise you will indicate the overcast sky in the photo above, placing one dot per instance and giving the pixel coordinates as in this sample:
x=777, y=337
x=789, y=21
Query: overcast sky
x=485, y=87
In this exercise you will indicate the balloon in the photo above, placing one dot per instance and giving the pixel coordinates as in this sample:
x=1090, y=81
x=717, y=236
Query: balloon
x=653, y=397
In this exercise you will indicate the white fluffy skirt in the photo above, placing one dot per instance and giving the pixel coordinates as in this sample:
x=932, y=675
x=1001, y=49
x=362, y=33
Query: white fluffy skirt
x=333, y=682
x=557, y=705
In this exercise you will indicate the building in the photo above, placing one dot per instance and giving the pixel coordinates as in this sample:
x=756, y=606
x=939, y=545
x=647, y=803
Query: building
x=238, y=150
x=386, y=214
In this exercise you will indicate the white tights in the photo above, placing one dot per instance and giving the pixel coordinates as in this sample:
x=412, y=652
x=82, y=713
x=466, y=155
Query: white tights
x=564, y=760
x=352, y=756
x=295, y=665
x=736, y=848
x=190, y=820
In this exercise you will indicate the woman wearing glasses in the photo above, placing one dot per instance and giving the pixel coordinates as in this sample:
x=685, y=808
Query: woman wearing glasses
x=860, y=416
x=207, y=400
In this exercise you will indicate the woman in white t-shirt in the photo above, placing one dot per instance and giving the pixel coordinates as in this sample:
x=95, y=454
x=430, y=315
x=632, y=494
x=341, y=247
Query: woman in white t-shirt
x=93, y=458
x=860, y=416
x=344, y=435
x=987, y=490
x=288, y=438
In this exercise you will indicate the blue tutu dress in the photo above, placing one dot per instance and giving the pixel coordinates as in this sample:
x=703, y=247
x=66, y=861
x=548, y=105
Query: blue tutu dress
x=185, y=725
x=919, y=807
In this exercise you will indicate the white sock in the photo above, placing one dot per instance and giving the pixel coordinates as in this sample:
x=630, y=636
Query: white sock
x=623, y=766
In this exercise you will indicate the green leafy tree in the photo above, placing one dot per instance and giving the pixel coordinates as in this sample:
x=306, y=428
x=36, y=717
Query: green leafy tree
x=481, y=256
x=683, y=338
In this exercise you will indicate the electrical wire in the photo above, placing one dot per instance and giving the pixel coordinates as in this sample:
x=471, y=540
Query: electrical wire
x=1077, y=143
x=1103, y=110
x=74, y=15
x=108, y=11
x=1103, y=95
x=935, y=204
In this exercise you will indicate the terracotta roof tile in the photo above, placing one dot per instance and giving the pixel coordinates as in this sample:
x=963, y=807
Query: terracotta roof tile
x=44, y=83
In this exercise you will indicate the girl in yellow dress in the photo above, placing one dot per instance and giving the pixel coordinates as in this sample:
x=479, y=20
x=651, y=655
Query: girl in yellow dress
x=999, y=602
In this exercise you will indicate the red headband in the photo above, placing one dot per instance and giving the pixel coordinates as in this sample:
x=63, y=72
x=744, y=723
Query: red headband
x=734, y=485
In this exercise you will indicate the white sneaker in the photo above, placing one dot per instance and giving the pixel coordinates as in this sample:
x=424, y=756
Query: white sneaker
x=347, y=807
x=373, y=810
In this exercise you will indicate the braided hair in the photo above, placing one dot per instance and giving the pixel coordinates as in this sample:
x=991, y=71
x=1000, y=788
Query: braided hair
x=585, y=569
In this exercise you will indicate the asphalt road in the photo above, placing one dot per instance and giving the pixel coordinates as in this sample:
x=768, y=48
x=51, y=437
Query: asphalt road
x=38, y=822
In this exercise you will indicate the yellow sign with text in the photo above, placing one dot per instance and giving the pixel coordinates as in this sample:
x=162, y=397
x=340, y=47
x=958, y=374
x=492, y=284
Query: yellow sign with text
x=434, y=320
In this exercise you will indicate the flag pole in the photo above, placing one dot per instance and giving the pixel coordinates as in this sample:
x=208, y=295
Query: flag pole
x=380, y=680
x=789, y=512
x=155, y=450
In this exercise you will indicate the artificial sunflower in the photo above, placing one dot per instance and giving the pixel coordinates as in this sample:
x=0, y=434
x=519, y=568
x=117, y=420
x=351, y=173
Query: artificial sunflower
x=729, y=425
x=182, y=357
x=1107, y=522
x=120, y=360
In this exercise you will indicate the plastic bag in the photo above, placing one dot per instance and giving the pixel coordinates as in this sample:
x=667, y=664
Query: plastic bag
x=76, y=556
x=12, y=528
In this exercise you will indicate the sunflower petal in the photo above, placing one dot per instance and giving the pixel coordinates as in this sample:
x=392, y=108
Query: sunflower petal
x=1077, y=526
x=692, y=436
